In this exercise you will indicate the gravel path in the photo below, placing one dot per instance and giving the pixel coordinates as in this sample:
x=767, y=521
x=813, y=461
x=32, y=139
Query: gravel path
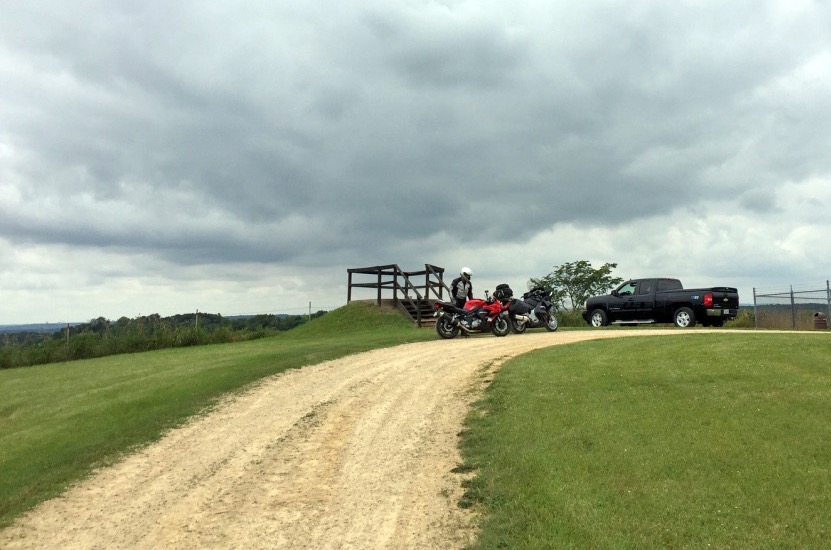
x=353, y=453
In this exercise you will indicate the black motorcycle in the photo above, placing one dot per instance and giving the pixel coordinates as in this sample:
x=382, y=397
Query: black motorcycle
x=534, y=310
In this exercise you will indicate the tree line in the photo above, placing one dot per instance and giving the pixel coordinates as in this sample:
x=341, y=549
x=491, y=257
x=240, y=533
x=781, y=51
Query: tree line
x=102, y=337
x=572, y=283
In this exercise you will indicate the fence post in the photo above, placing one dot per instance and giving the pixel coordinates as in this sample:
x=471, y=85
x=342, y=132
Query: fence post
x=755, y=311
x=828, y=293
x=793, y=310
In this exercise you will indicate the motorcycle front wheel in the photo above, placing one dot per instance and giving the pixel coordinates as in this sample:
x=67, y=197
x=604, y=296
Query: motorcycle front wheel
x=552, y=324
x=445, y=328
x=501, y=326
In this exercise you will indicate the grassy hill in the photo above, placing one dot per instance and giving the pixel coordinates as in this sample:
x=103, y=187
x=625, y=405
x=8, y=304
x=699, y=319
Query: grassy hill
x=673, y=442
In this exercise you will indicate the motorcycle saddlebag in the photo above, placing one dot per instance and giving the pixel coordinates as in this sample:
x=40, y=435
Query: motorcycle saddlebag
x=519, y=307
x=503, y=292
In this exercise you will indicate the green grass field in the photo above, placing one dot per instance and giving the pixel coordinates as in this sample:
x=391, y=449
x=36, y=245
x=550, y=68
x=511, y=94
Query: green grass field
x=695, y=441
x=665, y=442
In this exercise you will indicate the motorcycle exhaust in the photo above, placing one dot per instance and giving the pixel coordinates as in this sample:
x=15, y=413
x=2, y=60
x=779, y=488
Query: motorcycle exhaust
x=457, y=323
x=469, y=329
x=523, y=318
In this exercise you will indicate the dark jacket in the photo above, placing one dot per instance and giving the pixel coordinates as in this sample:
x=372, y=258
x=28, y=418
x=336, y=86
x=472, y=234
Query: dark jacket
x=461, y=290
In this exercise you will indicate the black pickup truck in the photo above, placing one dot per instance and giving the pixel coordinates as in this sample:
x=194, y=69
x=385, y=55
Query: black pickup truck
x=662, y=301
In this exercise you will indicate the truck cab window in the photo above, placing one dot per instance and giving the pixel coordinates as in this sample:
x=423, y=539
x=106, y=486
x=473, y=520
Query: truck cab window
x=627, y=289
x=669, y=284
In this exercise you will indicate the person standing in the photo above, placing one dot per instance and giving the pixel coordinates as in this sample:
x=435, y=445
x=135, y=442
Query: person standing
x=461, y=289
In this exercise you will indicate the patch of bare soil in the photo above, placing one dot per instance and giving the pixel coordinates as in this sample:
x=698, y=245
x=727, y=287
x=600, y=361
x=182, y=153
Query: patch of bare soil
x=353, y=453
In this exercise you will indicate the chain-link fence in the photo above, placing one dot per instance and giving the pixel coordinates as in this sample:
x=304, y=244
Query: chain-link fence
x=797, y=307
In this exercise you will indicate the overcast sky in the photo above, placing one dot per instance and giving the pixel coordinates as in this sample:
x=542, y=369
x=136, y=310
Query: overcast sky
x=238, y=157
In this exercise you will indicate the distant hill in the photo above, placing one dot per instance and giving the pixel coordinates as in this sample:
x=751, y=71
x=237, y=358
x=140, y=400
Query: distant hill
x=44, y=328
x=35, y=344
x=51, y=328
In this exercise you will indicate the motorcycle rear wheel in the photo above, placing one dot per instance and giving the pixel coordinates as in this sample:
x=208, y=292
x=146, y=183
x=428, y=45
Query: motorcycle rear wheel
x=445, y=328
x=518, y=326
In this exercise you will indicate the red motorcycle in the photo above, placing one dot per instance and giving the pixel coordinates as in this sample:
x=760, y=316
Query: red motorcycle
x=490, y=314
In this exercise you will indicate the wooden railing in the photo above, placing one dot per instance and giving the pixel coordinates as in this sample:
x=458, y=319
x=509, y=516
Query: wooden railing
x=407, y=296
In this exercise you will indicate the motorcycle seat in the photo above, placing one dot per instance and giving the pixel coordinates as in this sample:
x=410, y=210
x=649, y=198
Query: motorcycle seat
x=449, y=306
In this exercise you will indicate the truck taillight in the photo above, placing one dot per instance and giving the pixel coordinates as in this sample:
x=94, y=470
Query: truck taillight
x=708, y=300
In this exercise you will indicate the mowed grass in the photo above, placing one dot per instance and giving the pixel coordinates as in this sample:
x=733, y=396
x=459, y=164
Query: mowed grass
x=696, y=441
x=701, y=440
x=58, y=422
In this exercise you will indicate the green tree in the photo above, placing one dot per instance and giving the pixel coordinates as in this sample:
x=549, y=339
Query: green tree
x=573, y=283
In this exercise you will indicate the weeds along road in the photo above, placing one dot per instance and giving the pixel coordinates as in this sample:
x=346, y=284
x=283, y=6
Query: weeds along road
x=353, y=453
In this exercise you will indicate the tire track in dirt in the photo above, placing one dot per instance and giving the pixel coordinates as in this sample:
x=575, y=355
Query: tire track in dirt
x=352, y=453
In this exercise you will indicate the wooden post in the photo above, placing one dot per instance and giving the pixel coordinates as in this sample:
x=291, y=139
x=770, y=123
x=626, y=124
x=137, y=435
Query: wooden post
x=379, y=287
x=395, y=286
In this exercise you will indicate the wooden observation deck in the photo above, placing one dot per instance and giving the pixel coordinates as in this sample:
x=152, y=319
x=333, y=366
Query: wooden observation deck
x=412, y=292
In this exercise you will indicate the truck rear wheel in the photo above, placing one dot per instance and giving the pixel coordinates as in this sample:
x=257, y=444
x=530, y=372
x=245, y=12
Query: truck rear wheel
x=684, y=317
x=598, y=318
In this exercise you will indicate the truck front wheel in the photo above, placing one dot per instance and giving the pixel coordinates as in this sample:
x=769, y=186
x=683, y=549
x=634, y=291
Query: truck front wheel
x=684, y=318
x=598, y=318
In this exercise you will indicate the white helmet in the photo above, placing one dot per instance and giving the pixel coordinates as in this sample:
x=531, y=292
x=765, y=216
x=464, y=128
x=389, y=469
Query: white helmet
x=466, y=272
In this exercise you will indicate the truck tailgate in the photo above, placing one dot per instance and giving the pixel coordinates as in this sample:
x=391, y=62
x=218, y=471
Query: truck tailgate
x=725, y=297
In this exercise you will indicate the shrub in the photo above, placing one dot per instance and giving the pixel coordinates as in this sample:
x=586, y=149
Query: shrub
x=572, y=318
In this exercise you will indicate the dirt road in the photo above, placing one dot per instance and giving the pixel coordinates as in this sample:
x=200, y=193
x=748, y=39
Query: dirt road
x=353, y=453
